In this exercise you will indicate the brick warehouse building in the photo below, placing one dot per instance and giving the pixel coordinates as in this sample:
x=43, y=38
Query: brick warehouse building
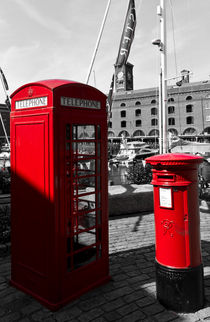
x=135, y=112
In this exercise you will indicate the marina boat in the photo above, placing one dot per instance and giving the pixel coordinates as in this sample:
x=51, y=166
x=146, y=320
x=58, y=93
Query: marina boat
x=144, y=153
x=179, y=145
x=128, y=151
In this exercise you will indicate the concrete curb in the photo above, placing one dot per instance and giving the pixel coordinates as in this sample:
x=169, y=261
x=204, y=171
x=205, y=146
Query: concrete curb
x=130, y=199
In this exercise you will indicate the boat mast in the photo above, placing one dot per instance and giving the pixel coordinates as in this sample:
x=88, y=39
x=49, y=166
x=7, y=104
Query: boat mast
x=98, y=41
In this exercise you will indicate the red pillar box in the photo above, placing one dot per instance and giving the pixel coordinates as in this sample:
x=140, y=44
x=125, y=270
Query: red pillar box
x=59, y=190
x=179, y=270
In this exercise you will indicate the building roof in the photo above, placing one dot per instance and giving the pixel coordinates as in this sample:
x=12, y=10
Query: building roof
x=147, y=92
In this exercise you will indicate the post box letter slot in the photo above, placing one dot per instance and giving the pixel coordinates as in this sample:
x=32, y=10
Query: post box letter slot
x=166, y=178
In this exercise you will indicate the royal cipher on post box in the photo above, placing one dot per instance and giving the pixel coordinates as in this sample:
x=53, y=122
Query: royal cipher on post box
x=59, y=194
x=179, y=269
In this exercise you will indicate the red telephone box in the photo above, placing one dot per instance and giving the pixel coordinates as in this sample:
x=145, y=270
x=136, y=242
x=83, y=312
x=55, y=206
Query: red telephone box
x=59, y=190
x=179, y=269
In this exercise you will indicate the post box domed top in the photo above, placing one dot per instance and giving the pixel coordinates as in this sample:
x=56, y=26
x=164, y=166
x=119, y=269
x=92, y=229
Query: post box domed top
x=173, y=159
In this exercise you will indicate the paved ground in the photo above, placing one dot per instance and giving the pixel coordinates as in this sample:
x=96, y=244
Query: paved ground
x=129, y=296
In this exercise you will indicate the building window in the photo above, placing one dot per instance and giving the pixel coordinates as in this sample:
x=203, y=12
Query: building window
x=154, y=133
x=111, y=134
x=190, y=120
x=138, y=112
x=138, y=103
x=138, y=123
x=189, y=131
x=154, y=122
x=122, y=104
x=171, y=99
x=174, y=132
x=171, y=121
x=189, y=108
x=123, y=113
x=154, y=111
x=138, y=133
x=188, y=98
x=171, y=109
x=123, y=124
x=124, y=134
x=153, y=101
x=110, y=124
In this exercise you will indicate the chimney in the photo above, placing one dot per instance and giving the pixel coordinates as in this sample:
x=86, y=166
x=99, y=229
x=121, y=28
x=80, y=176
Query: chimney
x=185, y=74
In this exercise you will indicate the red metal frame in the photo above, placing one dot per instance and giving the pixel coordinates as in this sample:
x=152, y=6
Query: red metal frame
x=177, y=227
x=58, y=250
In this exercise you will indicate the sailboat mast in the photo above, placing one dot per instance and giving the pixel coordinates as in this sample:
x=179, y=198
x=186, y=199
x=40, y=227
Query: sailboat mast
x=98, y=41
x=163, y=79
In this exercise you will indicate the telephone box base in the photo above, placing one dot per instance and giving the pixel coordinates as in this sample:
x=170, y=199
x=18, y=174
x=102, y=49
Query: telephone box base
x=181, y=290
x=58, y=305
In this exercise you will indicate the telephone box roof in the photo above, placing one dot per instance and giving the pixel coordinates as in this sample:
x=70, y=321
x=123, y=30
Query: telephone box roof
x=50, y=83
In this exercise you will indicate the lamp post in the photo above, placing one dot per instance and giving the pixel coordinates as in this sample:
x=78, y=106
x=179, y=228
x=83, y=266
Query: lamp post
x=161, y=43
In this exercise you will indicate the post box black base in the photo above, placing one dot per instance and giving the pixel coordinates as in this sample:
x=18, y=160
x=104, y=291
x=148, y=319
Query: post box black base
x=181, y=290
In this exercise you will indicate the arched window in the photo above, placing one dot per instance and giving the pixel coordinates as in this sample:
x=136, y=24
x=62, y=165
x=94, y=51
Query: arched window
x=138, y=123
x=154, y=122
x=188, y=98
x=171, y=121
x=138, y=133
x=122, y=104
x=189, y=108
x=153, y=101
x=189, y=131
x=171, y=99
x=123, y=133
x=154, y=111
x=110, y=124
x=110, y=134
x=123, y=124
x=171, y=109
x=190, y=120
x=154, y=133
x=138, y=103
x=138, y=112
x=207, y=130
x=173, y=132
x=123, y=113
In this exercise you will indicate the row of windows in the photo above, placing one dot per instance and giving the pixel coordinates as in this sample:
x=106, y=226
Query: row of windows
x=171, y=99
x=189, y=109
x=154, y=110
x=154, y=122
x=155, y=132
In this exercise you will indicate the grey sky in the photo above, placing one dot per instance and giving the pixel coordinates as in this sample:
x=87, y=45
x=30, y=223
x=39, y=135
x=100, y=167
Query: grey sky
x=43, y=39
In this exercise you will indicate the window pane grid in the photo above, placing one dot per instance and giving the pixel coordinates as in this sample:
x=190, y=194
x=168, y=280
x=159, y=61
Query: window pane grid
x=83, y=184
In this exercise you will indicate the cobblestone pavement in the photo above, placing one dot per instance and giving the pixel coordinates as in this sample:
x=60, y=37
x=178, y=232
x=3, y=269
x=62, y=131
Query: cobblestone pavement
x=129, y=296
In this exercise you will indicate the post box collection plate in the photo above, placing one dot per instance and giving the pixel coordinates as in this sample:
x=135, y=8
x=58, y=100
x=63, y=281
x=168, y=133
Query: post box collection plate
x=165, y=196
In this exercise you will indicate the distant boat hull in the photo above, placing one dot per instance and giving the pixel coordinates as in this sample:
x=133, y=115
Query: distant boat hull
x=192, y=147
